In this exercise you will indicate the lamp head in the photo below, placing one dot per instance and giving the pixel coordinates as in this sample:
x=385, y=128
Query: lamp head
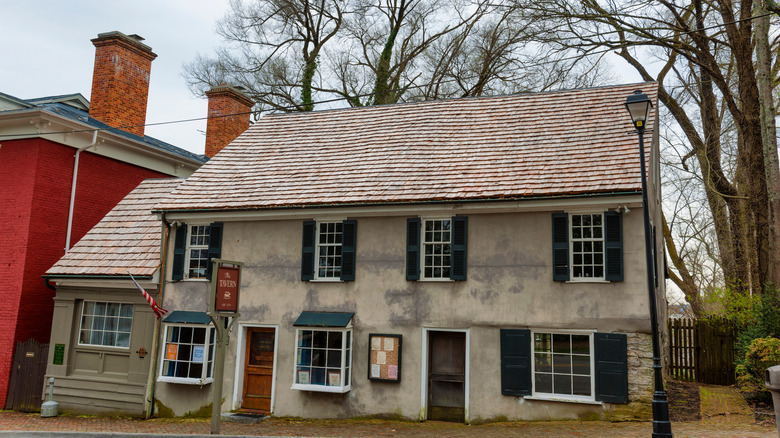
x=638, y=106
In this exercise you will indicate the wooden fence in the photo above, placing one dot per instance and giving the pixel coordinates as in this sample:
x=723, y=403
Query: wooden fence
x=701, y=351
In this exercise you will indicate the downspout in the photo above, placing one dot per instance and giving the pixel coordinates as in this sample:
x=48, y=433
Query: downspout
x=152, y=381
x=73, y=188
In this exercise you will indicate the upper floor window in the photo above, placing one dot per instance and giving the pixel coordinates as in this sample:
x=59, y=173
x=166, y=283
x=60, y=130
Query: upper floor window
x=587, y=241
x=588, y=246
x=436, y=248
x=329, y=250
x=198, y=251
x=106, y=324
x=194, y=248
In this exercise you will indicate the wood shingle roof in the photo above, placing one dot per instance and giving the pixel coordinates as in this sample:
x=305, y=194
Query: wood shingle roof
x=534, y=145
x=126, y=240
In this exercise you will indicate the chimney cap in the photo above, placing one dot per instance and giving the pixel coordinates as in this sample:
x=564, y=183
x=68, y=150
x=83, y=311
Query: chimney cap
x=132, y=41
x=236, y=92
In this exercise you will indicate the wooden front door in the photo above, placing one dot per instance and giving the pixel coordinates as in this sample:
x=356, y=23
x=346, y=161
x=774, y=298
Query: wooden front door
x=446, y=376
x=258, y=369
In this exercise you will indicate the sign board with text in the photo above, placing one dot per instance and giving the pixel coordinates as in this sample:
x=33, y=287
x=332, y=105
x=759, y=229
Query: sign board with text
x=225, y=287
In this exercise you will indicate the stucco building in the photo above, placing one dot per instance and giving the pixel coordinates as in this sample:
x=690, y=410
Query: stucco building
x=465, y=259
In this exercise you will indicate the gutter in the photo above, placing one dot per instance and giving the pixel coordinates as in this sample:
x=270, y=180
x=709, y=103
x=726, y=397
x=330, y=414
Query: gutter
x=73, y=188
x=396, y=203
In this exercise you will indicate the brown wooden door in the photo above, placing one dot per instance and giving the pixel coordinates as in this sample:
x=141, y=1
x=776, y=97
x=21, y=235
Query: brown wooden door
x=258, y=369
x=446, y=376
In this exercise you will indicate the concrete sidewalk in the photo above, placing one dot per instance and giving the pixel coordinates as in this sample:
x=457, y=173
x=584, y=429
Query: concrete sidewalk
x=13, y=424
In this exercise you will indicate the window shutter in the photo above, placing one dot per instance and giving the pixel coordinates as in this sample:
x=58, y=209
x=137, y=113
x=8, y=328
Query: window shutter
x=307, y=258
x=611, y=367
x=179, y=250
x=613, y=246
x=560, y=235
x=459, y=240
x=413, y=248
x=348, y=242
x=516, y=362
x=215, y=245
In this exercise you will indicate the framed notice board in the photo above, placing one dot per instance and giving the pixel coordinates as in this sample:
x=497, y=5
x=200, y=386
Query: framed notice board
x=384, y=357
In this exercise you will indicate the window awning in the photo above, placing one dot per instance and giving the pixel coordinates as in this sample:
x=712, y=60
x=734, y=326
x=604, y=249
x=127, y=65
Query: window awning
x=324, y=319
x=187, y=317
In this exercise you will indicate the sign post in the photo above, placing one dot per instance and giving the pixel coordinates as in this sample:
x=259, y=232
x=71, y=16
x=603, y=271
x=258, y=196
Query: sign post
x=223, y=306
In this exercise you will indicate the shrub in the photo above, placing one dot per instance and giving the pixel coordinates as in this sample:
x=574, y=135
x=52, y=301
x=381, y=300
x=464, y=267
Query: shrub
x=760, y=354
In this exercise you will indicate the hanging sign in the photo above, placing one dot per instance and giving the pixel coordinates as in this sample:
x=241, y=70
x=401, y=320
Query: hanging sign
x=225, y=286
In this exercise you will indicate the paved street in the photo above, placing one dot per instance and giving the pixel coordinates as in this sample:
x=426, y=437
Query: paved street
x=712, y=427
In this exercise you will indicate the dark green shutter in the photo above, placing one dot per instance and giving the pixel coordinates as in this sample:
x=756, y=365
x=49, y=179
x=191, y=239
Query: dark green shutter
x=413, y=248
x=348, y=243
x=179, y=251
x=613, y=246
x=307, y=258
x=560, y=236
x=611, y=367
x=516, y=362
x=459, y=240
x=215, y=246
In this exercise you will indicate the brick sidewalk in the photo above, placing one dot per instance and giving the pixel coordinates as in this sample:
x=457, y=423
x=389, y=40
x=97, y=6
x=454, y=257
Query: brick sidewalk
x=15, y=421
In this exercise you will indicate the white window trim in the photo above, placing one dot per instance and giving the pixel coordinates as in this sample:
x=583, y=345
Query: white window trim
x=238, y=379
x=187, y=248
x=572, y=278
x=79, y=344
x=422, y=250
x=317, y=278
x=325, y=388
x=187, y=380
x=564, y=397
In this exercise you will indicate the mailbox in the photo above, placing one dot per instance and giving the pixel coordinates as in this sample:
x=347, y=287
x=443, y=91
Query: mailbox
x=772, y=381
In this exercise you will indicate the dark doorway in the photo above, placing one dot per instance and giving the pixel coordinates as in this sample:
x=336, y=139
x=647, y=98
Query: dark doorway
x=446, y=376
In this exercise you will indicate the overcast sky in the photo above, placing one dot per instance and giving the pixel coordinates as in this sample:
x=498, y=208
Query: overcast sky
x=45, y=50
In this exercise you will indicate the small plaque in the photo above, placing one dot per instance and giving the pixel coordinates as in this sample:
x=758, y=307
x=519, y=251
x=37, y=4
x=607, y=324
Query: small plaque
x=59, y=354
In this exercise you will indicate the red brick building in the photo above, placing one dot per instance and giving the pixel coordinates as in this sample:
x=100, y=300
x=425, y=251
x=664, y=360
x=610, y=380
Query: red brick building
x=64, y=166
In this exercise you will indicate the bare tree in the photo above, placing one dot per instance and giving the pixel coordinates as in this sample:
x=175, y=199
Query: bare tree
x=708, y=78
x=272, y=50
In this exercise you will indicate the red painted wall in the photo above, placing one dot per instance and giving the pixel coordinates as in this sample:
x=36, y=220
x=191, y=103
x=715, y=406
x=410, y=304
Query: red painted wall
x=35, y=177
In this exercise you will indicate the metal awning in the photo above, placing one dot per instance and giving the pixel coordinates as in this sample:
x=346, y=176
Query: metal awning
x=324, y=319
x=187, y=317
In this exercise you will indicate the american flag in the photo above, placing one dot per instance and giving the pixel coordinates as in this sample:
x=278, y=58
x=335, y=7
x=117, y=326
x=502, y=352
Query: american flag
x=158, y=311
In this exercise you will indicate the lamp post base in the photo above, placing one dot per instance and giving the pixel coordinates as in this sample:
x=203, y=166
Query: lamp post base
x=661, y=428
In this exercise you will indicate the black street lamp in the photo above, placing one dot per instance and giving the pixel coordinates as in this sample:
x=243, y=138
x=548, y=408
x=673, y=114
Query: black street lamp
x=638, y=105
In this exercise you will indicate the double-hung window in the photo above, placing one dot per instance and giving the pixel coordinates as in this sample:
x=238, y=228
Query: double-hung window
x=577, y=366
x=588, y=246
x=106, y=324
x=323, y=352
x=197, y=251
x=436, y=248
x=188, y=354
x=329, y=250
x=195, y=246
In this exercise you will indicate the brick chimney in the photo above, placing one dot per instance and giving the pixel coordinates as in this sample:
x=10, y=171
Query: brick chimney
x=220, y=131
x=120, y=81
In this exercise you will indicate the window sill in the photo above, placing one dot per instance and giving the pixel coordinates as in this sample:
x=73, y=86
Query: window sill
x=195, y=279
x=586, y=280
x=185, y=381
x=563, y=398
x=327, y=280
x=437, y=280
x=321, y=388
